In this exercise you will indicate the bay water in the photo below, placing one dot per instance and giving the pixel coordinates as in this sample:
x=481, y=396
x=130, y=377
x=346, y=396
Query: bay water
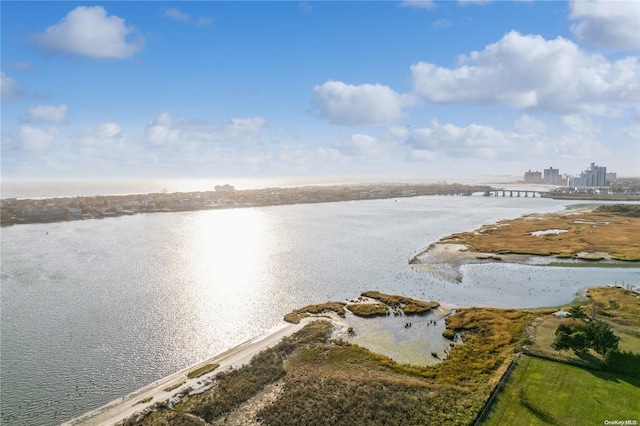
x=92, y=310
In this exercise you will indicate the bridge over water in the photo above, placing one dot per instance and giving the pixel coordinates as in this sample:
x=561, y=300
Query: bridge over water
x=512, y=193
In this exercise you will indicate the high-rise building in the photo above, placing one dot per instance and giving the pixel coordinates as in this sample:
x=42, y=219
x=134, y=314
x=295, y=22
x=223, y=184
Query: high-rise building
x=593, y=177
x=532, y=177
x=552, y=176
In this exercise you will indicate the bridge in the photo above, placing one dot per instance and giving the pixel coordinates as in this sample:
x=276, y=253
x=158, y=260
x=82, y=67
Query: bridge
x=512, y=193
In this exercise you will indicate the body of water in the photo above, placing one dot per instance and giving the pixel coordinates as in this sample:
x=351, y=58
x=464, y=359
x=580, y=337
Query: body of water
x=92, y=310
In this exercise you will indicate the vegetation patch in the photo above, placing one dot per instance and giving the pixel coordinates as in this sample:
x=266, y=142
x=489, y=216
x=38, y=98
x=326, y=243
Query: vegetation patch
x=541, y=392
x=406, y=304
x=297, y=315
x=144, y=401
x=176, y=386
x=368, y=309
x=580, y=386
x=202, y=370
x=612, y=229
x=330, y=381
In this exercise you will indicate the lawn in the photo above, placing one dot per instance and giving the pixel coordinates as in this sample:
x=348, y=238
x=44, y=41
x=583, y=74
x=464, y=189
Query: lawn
x=542, y=392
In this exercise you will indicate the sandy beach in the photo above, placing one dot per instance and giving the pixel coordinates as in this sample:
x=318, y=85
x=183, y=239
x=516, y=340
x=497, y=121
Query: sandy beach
x=119, y=410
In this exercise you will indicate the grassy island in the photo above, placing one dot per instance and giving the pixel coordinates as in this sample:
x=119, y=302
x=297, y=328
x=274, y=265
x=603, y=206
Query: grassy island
x=608, y=233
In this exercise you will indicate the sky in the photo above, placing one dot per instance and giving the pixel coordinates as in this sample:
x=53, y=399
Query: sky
x=318, y=90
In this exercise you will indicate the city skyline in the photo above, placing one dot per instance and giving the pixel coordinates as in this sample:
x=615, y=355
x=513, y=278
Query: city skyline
x=318, y=90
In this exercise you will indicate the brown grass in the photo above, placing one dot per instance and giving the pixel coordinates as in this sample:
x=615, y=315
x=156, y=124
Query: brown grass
x=334, y=382
x=202, y=370
x=368, y=309
x=406, y=304
x=176, y=386
x=310, y=310
x=592, y=232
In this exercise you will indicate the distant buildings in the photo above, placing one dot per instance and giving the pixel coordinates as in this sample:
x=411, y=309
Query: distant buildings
x=552, y=177
x=593, y=177
x=532, y=177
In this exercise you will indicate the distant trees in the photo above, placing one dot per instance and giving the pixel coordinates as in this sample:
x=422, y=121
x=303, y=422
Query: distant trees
x=580, y=335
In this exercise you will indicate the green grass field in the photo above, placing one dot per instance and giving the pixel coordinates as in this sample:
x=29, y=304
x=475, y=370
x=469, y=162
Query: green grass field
x=543, y=392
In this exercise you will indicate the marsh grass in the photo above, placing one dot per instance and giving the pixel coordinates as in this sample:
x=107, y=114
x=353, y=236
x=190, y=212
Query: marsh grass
x=368, y=309
x=295, y=316
x=143, y=401
x=406, y=304
x=176, y=386
x=202, y=370
x=602, y=230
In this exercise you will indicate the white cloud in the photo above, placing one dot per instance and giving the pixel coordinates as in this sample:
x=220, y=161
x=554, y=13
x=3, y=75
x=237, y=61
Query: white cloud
x=104, y=135
x=35, y=139
x=56, y=114
x=90, y=32
x=418, y=4
x=533, y=141
x=529, y=72
x=528, y=124
x=203, y=20
x=475, y=141
x=366, y=104
x=441, y=23
x=178, y=15
x=175, y=14
x=185, y=132
x=362, y=146
x=10, y=89
x=579, y=124
x=610, y=24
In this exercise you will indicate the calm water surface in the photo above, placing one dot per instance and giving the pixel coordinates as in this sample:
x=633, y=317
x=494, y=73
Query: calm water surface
x=95, y=309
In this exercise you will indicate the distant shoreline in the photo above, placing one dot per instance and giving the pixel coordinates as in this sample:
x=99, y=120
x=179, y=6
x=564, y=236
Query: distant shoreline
x=15, y=211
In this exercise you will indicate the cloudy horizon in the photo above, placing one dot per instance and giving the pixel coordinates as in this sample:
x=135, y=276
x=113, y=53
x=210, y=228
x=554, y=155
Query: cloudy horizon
x=318, y=90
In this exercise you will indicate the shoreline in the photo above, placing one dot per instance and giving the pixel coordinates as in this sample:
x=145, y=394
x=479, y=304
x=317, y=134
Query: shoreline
x=166, y=388
x=142, y=399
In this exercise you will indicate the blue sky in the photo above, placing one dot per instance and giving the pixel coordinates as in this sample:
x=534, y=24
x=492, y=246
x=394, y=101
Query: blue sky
x=318, y=90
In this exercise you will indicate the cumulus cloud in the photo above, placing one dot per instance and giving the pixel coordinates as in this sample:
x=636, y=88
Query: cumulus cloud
x=36, y=139
x=362, y=146
x=528, y=124
x=88, y=31
x=529, y=72
x=610, y=24
x=167, y=130
x=56, y=114
x=103, y=135
x=10, y=89
x=531, y=139
x=367, y=104
x=476, y=141
x=579, y=124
